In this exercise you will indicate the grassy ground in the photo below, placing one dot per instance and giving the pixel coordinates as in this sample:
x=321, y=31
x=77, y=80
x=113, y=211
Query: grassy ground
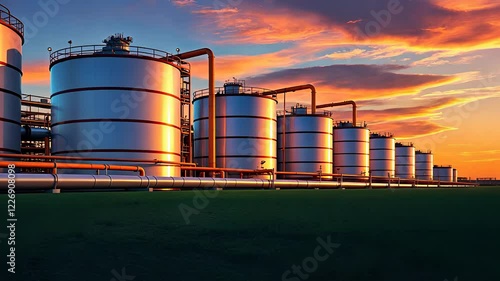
x=403, y=235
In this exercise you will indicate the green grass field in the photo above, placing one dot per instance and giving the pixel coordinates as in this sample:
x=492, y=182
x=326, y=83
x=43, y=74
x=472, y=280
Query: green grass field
x=394, y=235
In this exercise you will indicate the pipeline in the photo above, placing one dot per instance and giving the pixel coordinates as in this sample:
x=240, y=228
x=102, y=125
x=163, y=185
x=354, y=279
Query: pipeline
x=350, y=102
x=212, y=143
x=32, y=182
x=29, y=133
x=50, y=157
x=298, y=88
x=54, y=166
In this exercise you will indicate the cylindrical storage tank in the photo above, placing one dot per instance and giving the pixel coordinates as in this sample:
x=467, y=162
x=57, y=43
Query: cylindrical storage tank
x=455, y=175
x=351, y=149
x=308, y=144
x=424, y=161
x=443, y=173
x=245, y=128
x=382, y=155
x=116, y=104
x=11, y=41
x=405, y=161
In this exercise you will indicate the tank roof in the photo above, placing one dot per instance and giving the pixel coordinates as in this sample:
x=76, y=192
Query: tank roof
x=381, y=135
x=118, y=45
x=400, y=144
x=6, y=18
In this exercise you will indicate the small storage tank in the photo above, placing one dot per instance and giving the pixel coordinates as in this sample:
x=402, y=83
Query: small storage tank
x=305, y=142
x=443, y=173
x=424, y=161
x=405, y=161
x=246, y=127
x=11, y=41
x=382, y=155
x=351, y=149
x=455, y=175
x=117, y=101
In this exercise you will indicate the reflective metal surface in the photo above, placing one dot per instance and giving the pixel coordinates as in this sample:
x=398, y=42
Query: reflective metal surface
x=351, y=150
x=308, y=143
x=424, y=161
x=11, y=42
x=117, y=107
x=455, y=175
x=97, y=182
x=246, y=131
x=443, y=173
x=382, y=155
x=405, y=161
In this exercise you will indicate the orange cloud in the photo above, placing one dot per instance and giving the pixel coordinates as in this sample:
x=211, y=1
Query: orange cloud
x=36, y=73
x=410, y=129
x=243, y=65
x=469, y=5
x=182, y=3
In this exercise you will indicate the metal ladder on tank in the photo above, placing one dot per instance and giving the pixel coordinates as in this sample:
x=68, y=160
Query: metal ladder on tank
x=186, y=135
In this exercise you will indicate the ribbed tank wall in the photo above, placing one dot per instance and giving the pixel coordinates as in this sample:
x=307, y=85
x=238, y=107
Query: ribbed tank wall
x=443, y=173
x=455, y=175
x=382, y=156
x=405, y=162
x=11, y=41
x=351, y=150
x=246, y=131
x=423, y=166
x=119, y=107
x=308, y=143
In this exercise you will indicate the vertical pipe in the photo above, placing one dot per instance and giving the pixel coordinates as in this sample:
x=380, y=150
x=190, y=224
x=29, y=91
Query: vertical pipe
x=212, y=149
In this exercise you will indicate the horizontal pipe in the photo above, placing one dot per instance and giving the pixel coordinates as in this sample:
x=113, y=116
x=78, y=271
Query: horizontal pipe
x=70, y=158
x=29, y=133
x=95, y=182
x=298, y=88
x=349, y=102
x=76, y=166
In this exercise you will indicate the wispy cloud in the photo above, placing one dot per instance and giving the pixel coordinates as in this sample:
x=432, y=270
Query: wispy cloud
x=182, y=3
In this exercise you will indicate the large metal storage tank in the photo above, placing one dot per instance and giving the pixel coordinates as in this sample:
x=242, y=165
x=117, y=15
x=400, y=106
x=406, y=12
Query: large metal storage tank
x=405, y=161
x=246, y=127
x=443, y=173
x=117, y=101
x=455, y=175
x=11, y=41
x=351, y=149
x=424, y=161
x=305, y=142
x=382, y=155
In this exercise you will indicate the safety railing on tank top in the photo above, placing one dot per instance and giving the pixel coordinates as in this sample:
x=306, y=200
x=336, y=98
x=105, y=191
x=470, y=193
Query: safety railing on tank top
x=309, y=112
x=130, y=50
x=243, y=90
x=348, y=124
x=6, y=17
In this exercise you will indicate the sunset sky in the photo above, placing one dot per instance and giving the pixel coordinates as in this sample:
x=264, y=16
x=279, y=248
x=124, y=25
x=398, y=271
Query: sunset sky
x=426, y=70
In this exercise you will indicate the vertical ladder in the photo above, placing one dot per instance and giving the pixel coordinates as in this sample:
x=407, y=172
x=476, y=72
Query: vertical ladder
x=186, y=151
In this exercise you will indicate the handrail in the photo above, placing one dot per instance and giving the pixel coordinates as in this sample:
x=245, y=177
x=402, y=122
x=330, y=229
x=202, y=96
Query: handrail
x=243, y=90
x=7, y=17
x=87, y=50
